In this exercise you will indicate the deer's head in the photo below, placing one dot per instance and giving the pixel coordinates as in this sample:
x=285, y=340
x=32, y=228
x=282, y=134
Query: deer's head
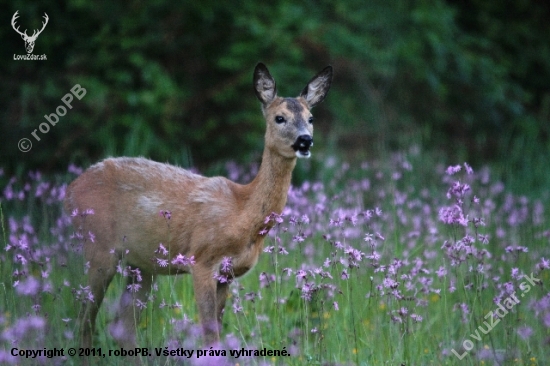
x=289, y=120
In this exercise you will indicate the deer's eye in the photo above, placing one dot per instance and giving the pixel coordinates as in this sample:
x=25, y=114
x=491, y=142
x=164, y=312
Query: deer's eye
x=280, y=119
x=310, y=120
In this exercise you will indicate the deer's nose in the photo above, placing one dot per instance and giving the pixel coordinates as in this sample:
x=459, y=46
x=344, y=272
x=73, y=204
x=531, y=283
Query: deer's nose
x=301, y=146
x=303, y=142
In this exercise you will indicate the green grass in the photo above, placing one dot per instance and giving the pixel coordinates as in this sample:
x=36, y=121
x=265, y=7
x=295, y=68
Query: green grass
x=369, y=327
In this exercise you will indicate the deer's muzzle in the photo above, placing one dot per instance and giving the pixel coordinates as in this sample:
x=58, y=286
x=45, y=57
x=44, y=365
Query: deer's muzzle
x=301, y=146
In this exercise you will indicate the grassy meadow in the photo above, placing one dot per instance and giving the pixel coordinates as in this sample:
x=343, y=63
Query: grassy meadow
x=406, y=261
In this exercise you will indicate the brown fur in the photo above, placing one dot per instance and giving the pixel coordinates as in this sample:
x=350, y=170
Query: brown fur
x=211, y=218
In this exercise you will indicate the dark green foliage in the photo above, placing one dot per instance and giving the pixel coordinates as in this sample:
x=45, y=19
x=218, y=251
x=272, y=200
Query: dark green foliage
x=172, y=81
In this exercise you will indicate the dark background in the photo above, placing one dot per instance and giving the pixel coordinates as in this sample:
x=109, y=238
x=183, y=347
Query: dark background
x=172, y=81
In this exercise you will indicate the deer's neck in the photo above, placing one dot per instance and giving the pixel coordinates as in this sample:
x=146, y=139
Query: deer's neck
x=268, y=191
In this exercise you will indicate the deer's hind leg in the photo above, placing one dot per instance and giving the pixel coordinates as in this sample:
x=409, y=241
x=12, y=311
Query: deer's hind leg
x=101, y=270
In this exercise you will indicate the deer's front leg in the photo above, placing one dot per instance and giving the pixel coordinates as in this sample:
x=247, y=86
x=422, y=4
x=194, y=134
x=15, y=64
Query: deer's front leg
x=205, y=295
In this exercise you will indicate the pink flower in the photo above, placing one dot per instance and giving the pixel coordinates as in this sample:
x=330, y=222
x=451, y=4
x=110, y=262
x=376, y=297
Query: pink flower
x=266, y=279
x=250, y=296
x=162, y=250
x=166, y=214
x=525, y=332
x=237, y=308
x=298, y=238
x=301, y=274
x=468, y=168
x=29, y=287
x=227, y=264
x=390, y=283
x=451, y=170
x=221, y=278
x=183, y=260
x=134, y=287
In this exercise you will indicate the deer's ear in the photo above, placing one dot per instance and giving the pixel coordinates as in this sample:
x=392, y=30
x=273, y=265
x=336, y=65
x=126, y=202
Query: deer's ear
x=264, y=84
x=317, y=88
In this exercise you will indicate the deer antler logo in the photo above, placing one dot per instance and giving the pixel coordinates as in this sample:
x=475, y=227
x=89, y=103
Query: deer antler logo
x=29, y=40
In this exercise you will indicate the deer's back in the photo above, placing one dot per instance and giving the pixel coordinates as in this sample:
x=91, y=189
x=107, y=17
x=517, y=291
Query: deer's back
x=139, y=204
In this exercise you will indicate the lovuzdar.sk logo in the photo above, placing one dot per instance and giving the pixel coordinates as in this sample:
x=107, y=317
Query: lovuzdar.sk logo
x=29, y=40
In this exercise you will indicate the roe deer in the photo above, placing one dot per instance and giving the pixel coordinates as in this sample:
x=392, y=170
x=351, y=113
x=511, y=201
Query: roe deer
x=209, y=218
